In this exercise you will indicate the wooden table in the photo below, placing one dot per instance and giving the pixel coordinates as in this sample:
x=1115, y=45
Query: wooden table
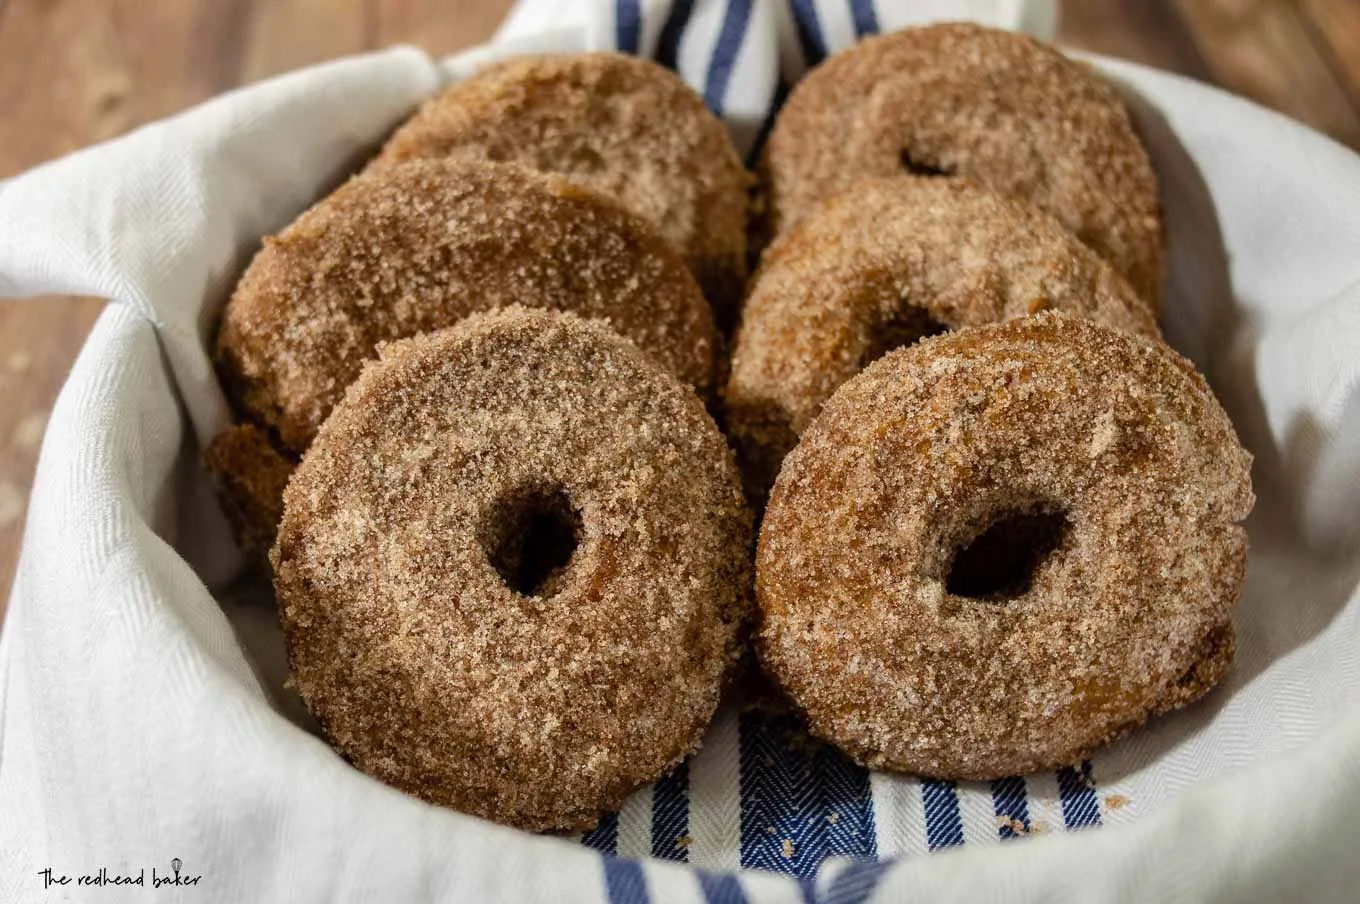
x=73, y=72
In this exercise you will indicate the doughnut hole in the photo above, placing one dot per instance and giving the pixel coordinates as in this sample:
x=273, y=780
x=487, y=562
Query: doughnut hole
x=533, y=538
x=918, y=166
x=905, y=326
x=1000, y=563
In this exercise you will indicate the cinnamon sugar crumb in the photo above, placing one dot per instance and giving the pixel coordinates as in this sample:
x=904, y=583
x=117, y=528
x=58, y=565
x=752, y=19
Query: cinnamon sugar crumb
x=615, y=123
x=1039, y=126
x=932, y=446
x=538, y=707
x=885, y=263
x=408, y=249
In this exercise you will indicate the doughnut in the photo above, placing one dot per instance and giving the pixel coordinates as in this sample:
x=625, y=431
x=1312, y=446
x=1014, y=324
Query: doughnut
x=513, y=569
x=416, y=247
x=997, y=107
x=880, y=265
x=623, y=126
x=1002, y=547
x=250, y=474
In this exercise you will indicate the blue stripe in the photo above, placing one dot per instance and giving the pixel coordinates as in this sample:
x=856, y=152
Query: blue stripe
x=725, y=50
x=670, y=815
x=801, y=801
x=1079, y=804
x=668, y=45
x=720, y=888
x=627, y=25
x=856, y=883
x=866, y=20
x=944, y=825
x=809, y=31
x=605, y=836
x=1008, y=802
x=624, y=882
x=850, y=805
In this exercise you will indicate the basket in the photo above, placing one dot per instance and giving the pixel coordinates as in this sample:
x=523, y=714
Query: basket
x=144, y=716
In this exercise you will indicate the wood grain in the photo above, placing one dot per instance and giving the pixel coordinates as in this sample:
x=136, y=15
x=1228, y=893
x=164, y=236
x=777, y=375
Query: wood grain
x=75, y=72
x=1335, y=26
x=441, y=27
x=1148, y=31
x=284, y=36
x=1263, y=49
x=38, y=343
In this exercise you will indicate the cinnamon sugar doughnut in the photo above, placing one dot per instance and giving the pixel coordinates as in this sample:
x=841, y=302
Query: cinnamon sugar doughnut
x=997, y=107
x=621, y=125
x=1002, y=547
x=416, y=247
x=880, y=265
x=512, y=569
x=250, y=473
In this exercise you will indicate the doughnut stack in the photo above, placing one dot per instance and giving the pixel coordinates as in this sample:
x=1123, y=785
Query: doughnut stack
x=515, y=555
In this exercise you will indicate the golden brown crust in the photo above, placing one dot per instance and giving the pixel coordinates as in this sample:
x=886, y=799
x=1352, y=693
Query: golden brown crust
x=250, y=474
x=1215, y=656
x=998, y=107
x=417, y=247
x=1111, y=450
x=615, y=123
x=881, y=264
x=543, y=708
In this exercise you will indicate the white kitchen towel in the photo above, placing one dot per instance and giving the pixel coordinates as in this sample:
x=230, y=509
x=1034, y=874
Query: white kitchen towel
x=144, y=721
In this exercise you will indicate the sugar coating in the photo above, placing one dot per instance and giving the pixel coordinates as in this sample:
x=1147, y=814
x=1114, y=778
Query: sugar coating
x=426, y=670
x=913, y=458
x=417, y=247
x=621, y=125
x=833, y=289
x=995, y=106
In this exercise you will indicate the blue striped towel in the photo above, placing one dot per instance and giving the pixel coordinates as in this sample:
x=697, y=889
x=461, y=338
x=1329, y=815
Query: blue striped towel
x=761, y=794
